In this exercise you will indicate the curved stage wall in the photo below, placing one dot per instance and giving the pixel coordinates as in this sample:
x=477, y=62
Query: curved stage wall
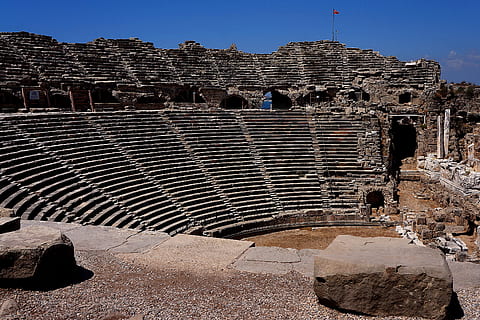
x=218, y=172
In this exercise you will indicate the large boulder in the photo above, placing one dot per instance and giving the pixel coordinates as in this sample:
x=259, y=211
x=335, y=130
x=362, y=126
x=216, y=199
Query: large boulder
x=36, y=254
x=383, y=276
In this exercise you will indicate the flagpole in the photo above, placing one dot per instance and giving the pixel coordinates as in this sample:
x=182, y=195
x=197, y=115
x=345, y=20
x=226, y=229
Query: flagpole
x=333, y=24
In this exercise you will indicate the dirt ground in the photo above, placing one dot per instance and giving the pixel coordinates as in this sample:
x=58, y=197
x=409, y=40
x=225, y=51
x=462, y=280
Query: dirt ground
x=413, y=198
x=316, y=238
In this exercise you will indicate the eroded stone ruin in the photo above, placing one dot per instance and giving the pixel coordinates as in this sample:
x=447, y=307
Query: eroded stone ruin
x=223, y=142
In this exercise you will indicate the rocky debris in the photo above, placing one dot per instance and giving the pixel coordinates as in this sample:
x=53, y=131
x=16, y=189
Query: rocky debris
x=35, y=255
x=450, y=245
x=9, y=307
x=407, y=233
x=5, y=212
x=383, y=276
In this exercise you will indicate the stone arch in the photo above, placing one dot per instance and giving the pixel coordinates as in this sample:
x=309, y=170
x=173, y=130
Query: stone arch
x=375, y=199
x=234, y=102
x=405, y=97
x=280, y=101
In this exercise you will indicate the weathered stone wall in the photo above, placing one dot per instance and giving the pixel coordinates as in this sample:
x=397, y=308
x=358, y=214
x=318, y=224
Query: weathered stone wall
x=131, y=68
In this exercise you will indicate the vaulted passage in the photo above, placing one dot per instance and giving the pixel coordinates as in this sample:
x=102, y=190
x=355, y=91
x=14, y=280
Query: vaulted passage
x=405, y=97
x=404, y=141
x=280, y=101
x=375, y=199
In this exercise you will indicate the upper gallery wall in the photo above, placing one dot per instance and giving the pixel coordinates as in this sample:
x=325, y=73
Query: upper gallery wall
x=128, y=65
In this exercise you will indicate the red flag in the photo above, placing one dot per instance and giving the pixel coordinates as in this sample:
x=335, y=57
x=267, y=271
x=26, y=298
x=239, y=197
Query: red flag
x=336, y=12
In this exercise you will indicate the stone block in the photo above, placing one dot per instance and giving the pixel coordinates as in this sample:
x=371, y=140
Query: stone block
x=383, y=276
x=36, y=254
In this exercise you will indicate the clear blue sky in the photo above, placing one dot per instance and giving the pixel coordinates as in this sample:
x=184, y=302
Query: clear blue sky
x=446, y=31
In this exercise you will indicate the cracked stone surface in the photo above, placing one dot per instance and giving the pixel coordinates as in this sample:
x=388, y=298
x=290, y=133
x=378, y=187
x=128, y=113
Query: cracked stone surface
x=277, y=260
x=192, y=253
x=105, y=238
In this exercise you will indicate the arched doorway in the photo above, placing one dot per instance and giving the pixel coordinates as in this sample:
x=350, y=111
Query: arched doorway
x=375, y=199
x=403, y=141
x=405, y=98
x=276, y=101
x=234, y=102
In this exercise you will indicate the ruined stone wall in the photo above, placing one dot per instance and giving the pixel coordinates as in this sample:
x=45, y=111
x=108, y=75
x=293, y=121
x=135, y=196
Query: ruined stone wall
x=131, y=68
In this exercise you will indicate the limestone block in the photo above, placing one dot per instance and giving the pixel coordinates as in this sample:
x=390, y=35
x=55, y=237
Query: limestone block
x=36, y=253
x=383, y=276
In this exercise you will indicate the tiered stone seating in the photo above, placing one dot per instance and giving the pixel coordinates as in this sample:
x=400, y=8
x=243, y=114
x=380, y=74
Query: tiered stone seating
x=99, y=62
x=284, y=142
x=46, y=55
x=134, y=62
x=218, y=142
x=237, y=68
x=147, y=139
x=338, y=141
x=194, y=64
x=174, y=170
x=149, y=65
x=320, y=62
x=100, y=163
x=13, y=67
x=38, y=176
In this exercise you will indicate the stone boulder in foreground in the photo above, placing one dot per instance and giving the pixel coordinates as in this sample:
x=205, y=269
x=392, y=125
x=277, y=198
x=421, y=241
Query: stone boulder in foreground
x=383, y=276
x=36, y=254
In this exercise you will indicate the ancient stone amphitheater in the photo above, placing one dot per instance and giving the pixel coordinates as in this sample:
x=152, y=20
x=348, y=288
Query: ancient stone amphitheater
x=214, y=141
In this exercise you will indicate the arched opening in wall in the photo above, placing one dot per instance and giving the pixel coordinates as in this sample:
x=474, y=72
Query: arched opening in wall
x=280, y=101
x=375, y=199
x=234, y=102
x=403, y=141
x=405, y=98
x=189, y=96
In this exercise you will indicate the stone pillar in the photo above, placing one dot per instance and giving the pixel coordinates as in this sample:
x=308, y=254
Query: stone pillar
x=446, y=132
x=440, y=145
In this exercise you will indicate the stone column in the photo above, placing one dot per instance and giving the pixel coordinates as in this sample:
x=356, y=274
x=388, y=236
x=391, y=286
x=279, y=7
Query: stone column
x=440, y=144
x=446, y=132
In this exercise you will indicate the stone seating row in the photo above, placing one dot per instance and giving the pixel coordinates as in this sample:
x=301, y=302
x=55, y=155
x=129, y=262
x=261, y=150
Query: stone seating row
x=196, y=168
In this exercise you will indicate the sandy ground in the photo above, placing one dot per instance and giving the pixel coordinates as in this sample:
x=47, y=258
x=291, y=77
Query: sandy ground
x=316, y=238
